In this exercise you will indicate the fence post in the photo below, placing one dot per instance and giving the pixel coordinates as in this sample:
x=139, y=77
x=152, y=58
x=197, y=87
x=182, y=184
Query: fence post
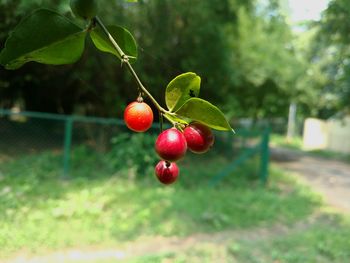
x=265, y=156
x=67, y=145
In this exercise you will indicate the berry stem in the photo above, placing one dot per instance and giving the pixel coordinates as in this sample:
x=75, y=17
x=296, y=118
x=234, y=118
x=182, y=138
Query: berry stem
x=125, y=60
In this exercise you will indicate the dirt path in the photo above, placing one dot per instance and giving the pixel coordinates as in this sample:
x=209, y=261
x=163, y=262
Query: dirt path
x=328, y=177
x=158, y=245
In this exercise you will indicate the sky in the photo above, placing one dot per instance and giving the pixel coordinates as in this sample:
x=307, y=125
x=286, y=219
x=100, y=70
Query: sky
x=301, y=10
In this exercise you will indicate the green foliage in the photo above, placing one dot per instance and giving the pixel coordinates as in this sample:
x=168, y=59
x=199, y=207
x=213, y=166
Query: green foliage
x=329, y=71
x=58, y=42
x=181, y=98
x=268, y=53
x=336, y=22
x=112, y=39
x=267, y=62
x=200, y=110
x=250, y=75
x=86, y=9
x=122, y=36
x=180, y=89
x=133, y=152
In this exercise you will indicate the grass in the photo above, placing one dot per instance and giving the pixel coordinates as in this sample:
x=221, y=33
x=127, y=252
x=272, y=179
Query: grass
x=104, y=206
x=297, y=144
x=325, y=241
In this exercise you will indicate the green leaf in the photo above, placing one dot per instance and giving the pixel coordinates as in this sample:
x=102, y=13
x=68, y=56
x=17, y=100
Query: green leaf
x=122, y=36
x=175, y=118
x=203, y=111
x=45, y=37
x=180, y=89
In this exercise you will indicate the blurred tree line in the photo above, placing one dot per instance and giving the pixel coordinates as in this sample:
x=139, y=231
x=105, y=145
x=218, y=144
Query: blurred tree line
x=328, y=54
x=251, y=63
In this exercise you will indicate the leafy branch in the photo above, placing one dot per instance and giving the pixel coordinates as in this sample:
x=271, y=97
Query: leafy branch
x=47, y=37
x=125, y=60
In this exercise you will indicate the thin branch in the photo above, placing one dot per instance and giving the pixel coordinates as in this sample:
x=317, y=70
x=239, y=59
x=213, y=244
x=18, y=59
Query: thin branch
x=125, y=60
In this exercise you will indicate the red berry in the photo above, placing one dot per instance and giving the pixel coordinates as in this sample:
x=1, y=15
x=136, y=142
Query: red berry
x=171, y=145
x=166, y=172
x=199, y=137
x=138, y=116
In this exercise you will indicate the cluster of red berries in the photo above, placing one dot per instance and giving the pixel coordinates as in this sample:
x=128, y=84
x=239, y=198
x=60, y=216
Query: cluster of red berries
x=172, y=144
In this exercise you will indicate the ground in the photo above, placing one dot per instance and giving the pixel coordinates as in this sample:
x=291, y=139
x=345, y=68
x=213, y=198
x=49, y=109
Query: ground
x=162, y=246
x=331, y=178
x=228, y=246
x=239, y=221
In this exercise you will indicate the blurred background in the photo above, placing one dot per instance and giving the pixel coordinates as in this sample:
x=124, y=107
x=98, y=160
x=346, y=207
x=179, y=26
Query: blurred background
x=77, y=186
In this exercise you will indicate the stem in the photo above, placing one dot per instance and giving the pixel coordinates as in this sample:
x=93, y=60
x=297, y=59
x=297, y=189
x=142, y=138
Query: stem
x=125, y=59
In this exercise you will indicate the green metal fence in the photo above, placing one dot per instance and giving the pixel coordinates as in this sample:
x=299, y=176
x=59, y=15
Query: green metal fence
x=24, y=133
x=259, y=147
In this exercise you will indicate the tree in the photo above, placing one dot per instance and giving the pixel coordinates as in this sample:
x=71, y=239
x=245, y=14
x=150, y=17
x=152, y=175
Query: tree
x=267, y=63
x=245, y=53
x=48, y=37
x=329, y=54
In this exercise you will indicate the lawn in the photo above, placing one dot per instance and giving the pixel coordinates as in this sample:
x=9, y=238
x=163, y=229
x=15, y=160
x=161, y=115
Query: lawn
x=105, y=203
x=327, y=240
x=296, y=143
